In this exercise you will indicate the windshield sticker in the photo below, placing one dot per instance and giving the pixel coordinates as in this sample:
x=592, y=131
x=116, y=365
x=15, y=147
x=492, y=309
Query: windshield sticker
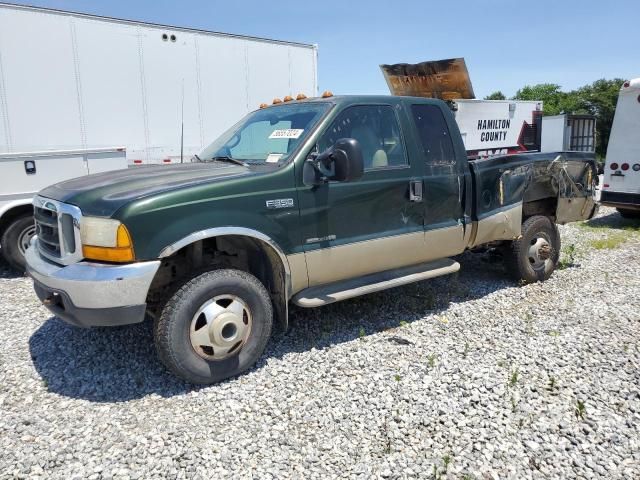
x=287, y=133
x=273, y=157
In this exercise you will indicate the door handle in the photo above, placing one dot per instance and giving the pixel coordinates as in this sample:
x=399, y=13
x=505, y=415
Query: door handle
x=415, y=190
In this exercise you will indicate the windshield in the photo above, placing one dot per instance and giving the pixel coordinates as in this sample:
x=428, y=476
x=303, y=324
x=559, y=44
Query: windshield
x=269, y=135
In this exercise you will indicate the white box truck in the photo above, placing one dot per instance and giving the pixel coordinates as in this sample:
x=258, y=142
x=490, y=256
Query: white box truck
x=621, y=179
x=24, y=174
x=75, y=81
x=498, y=127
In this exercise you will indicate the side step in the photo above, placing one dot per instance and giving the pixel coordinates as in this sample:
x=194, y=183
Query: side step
x=354, y=287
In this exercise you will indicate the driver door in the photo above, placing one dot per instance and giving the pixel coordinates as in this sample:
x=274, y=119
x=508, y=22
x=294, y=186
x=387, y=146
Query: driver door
x=373, y=224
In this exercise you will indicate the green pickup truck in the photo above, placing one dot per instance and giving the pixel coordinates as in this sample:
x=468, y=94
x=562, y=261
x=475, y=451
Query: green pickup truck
x=311, y=202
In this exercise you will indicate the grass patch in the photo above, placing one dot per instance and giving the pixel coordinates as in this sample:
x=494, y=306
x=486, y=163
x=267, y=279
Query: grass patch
x=513, y=380
x=594, y=226
x=609, y=243
x=362, y=333
x=431, y=359
x=568, y=258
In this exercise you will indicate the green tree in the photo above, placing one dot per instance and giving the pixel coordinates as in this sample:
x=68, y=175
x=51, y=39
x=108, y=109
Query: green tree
x=497, y=95
x=600, y=99
x=555, y=100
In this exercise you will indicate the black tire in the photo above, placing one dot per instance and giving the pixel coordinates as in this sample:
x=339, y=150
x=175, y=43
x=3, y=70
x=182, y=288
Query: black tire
x=20, y=229
x=630, y=214
x=172, y=329
x=518, y=258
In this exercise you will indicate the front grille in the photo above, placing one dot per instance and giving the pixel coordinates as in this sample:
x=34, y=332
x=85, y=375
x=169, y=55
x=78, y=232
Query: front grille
x=48, y=231
x=58, y=230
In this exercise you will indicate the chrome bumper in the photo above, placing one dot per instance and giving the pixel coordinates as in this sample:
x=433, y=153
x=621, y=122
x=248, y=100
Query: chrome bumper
x=86, y=286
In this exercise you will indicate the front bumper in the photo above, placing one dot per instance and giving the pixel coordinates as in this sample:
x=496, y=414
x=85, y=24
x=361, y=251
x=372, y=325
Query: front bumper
x=89, y=294
x=630, y=201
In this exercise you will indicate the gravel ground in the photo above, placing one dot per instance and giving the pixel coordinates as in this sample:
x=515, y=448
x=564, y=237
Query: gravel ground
x=468, y=376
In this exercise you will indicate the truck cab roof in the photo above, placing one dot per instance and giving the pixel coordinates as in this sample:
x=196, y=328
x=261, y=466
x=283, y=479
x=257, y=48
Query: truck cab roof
x=343, y=100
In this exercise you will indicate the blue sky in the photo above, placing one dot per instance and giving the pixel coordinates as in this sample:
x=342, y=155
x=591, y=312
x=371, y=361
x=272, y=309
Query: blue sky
x=506, y=44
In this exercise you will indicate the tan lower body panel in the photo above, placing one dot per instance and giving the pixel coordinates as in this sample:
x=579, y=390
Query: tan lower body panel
x=298, y=268
x=362, y=258
x=505, y=225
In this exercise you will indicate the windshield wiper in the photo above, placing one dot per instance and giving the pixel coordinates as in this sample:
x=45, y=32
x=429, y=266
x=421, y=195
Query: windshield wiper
x=230, y=160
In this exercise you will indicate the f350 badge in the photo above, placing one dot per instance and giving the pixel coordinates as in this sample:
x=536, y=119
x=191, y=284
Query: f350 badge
x=280, y=203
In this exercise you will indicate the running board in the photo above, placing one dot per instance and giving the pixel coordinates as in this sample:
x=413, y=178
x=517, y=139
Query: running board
x=335, y=292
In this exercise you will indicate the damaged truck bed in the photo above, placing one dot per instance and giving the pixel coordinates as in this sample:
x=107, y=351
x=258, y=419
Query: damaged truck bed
x=510, y=188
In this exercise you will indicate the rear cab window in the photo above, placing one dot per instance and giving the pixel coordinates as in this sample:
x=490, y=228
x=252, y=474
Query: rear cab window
x=434, y=135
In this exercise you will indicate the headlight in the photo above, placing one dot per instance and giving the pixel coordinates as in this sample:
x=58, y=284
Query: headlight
x=105, y=239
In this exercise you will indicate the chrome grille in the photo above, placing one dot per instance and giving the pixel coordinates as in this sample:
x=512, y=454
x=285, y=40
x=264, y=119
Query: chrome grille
x=47, y=231
x=58, y=230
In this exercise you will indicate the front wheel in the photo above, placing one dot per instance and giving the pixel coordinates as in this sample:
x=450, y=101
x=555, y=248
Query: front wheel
x=215, y=327
x=534, y=256
x=15, y=241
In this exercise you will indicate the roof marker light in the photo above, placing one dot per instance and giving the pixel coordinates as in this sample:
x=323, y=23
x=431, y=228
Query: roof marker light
x=301, y=96
x=288, y=98
x=263, y=105
x=327, y=94
x=276, y=101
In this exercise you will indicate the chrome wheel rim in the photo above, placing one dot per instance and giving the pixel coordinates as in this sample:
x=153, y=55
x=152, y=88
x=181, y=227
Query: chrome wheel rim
x=540, y=251
x=220, y=327
x=25, y=238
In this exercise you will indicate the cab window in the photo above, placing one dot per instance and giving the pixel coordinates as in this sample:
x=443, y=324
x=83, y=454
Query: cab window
x=434, y=135
x=269, y=135
x=376, y=128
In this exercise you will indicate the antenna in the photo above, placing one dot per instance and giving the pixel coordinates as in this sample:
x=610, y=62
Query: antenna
x=182, y=127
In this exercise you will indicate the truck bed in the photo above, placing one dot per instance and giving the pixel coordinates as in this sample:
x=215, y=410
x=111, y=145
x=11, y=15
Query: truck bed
x=558, y=181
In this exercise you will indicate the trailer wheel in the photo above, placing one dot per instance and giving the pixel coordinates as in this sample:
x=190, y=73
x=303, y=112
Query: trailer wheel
x=626, y=213
x=214, y=327
x=534, y=256
x=15, y=241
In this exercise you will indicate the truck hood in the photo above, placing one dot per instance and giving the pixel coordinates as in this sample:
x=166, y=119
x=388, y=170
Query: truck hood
x=102, y=194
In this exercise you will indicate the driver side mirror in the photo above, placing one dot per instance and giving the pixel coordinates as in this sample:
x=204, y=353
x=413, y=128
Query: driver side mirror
x=341, y=162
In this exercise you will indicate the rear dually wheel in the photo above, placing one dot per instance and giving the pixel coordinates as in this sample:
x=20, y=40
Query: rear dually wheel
x=534, y=256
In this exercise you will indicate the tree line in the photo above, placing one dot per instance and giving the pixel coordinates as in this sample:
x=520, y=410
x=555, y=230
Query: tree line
x=598, y=98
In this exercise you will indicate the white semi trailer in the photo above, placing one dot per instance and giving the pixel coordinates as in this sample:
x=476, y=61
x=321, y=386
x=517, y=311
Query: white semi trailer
x=73, y=81
x=72, y=86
